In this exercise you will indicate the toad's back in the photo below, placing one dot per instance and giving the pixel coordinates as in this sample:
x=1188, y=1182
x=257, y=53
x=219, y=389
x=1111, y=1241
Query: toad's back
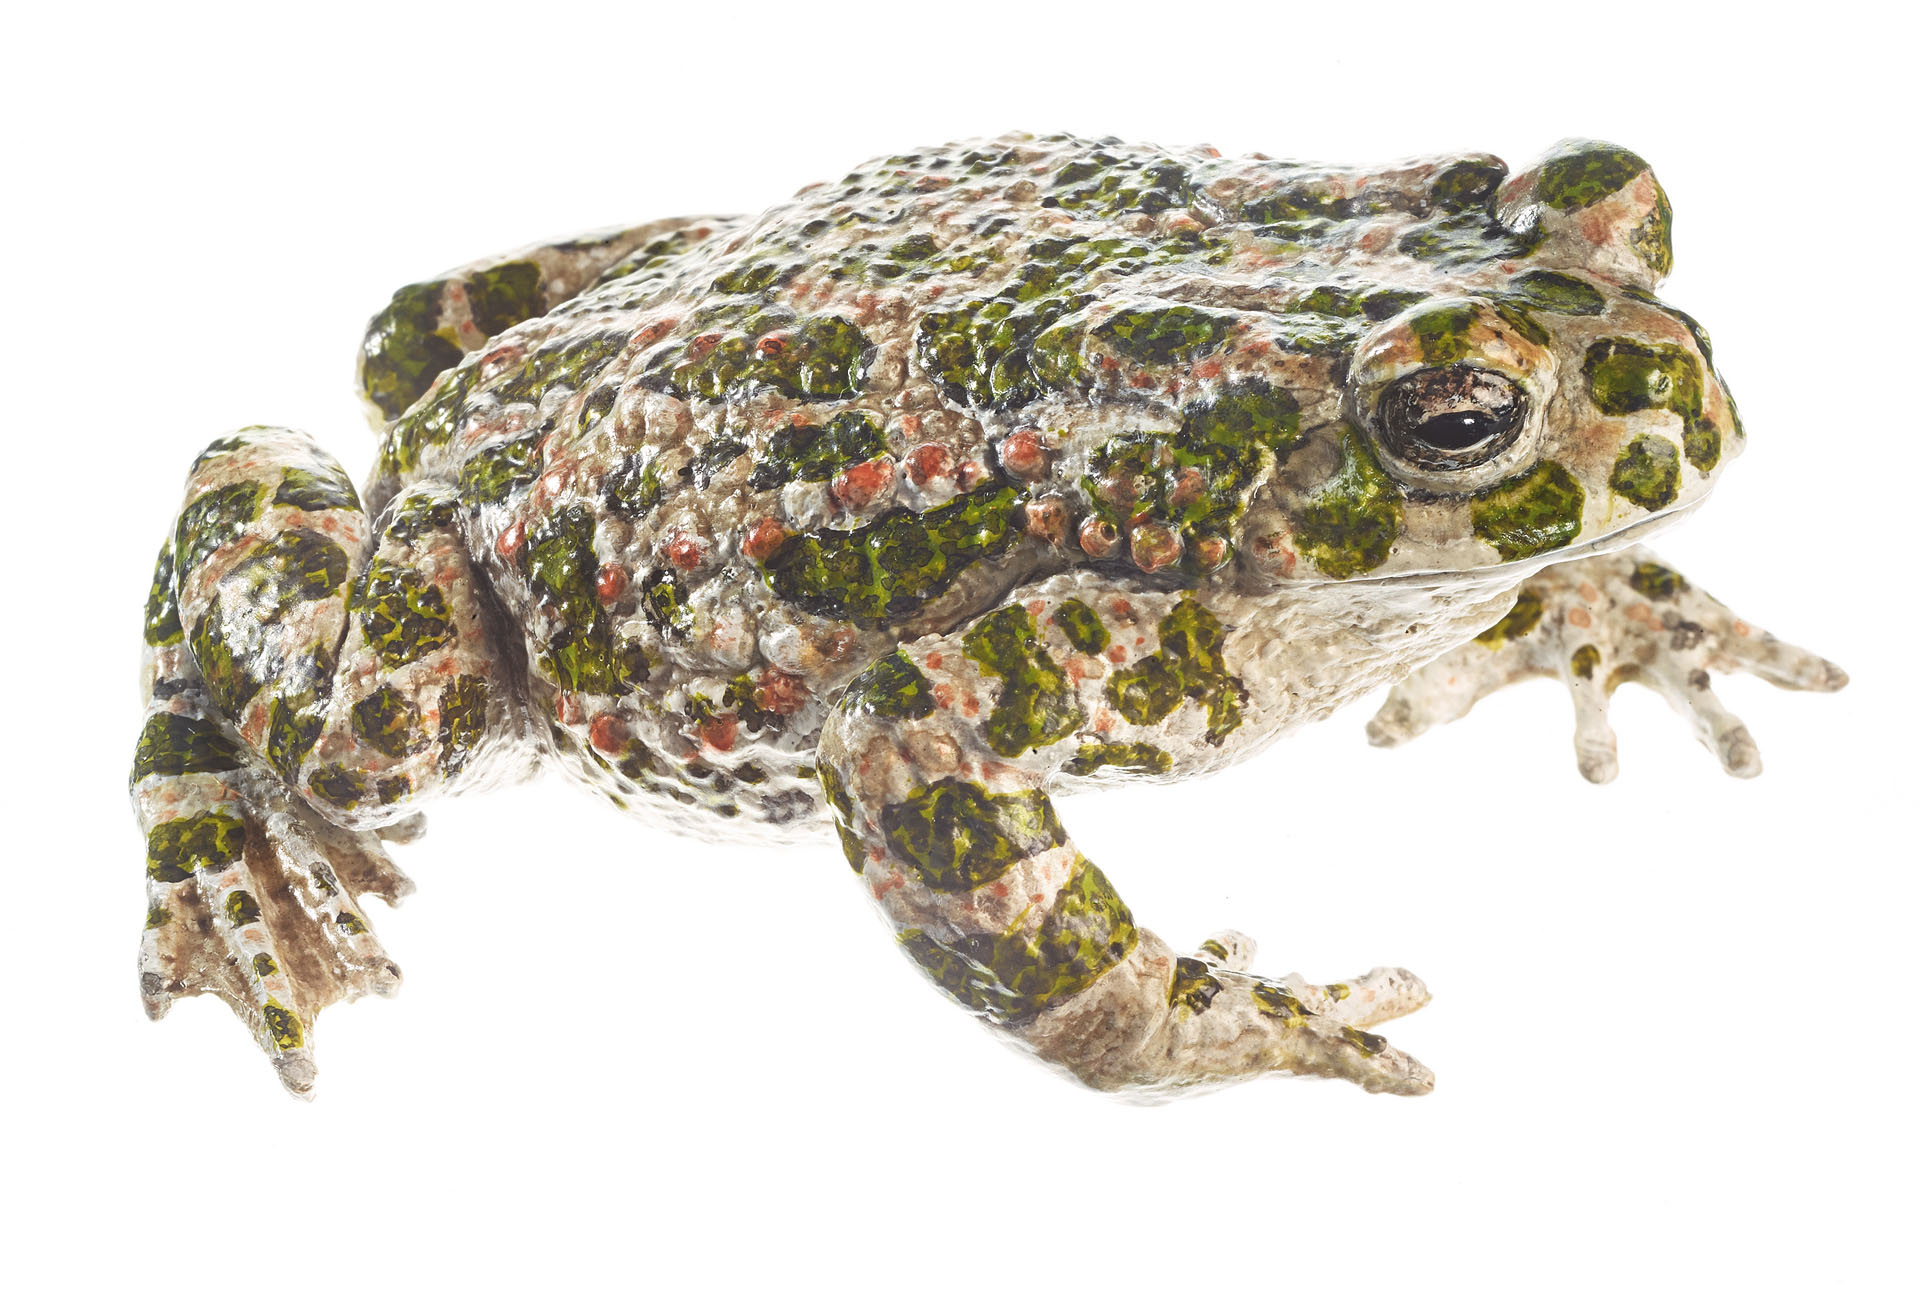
x=754, y=456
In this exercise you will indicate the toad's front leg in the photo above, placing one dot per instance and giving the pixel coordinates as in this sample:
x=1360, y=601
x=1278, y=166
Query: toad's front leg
x=1594, y=624
x=937, y=763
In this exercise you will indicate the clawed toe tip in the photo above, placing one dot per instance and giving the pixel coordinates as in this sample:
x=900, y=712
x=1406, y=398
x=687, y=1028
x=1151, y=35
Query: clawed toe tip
x=297, y=1074
x=384, y=979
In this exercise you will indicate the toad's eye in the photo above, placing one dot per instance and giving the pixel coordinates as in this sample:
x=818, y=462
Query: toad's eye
x=1451, y=418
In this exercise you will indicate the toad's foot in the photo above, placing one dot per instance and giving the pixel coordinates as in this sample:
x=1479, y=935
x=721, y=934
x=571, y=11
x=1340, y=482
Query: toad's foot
x=1595, y=624
x=253, y=898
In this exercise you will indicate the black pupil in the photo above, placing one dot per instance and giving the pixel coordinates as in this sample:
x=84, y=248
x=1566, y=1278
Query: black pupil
x=1456, y=431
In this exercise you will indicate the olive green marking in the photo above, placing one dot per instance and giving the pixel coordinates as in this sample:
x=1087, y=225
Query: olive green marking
x=1655, y=581
x=1193, y=988
x=1083, y=629
x=1556, y=293
x=463, y=721
x=841, y=802
x=402, y=615
x=429, y=424
x=158, y=917
x=178, y=847
x=1647, y=472
x=821, y=358
x=1442, y=333
x=1279, y=1002
x=1013, y=976
x=171, y=745
x=504, y=295
x=1136, y=758
x=890, y=569
x=241, y=909
x=1468, y=186
x=283, y=1026
x=751, y=279
x=489, y=474
x=647, y=259
x=957, y=836
x=1105, y=184
x=1515, y=316
x=1535, y=511
x=1190, y=664
x=291, y=569
x=1338, y=991
x=226, y=672
x=1516, y=623
x=220, y=446
x=163, y=610
x=817, y=452
x=1005, y=351
x=1625, y=377
x=1702, y=444
x=385, y=721
x=316, y=489
x=1587, y=174
x=390, y=788
x=570, y=362
x=211, y=520
x=664, y=598
x=1352, y=521
x=713, y=459
x=1329, y=319
x=1371, y=1043
x=406, y=347
x=1584, y=661
x=291, y=733
x=634, y=487
x=338, y=784
x=1468, y=239
x=563, y=569
x=264, y=966
x=351, y=924
x=893, y=688
x=1171, y=334
x=1036, y=706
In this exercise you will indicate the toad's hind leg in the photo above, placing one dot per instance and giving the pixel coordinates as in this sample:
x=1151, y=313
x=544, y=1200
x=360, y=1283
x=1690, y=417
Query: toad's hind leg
x=937, y=763
x=308, y=685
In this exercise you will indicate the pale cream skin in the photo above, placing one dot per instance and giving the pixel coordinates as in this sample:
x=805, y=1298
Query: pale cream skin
x=1274, y=436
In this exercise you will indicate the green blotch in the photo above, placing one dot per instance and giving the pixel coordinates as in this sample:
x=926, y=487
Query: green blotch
x=1108, y=185
x=1625, y=377
x=1584, y=661
x=402, y=614
x=821, y=358
x=292, y=569
x=815, y=452
x=957, y=836
x=1586, y=174
x=176, y=848
x=1516, y=623
x=1136, y=758
x=162, y=616
x=893, y=688
x=1002, y=352
x=1172, y=334
x=420, y=513
x=385, y=721
x=336, y=783
x=647, y=259
x=1647, y=472
x=159, y=917
x=350, y=924
x=751, y=279
x=1013, y=976
x=1191, y=663
x=490, y=474
x=563, y=570
x=1193, y=988
x=391, y=788
x=504, y=295
x=406, y=348
x=1370, y=1043
x=241, y=909
x=633, y=488
x=1655, y=581
x=1466, y=240
x=1352, y=521
x=316, y=489
x=664, y=599
x=841, y=802
x=1083, y=629
x=171, y=745
x=226, y=672
x=1443, y=333
x=463, y=721
x=283, y=1026
x=264, y=966
x=291, y=733
x=1515, y=316
x=1556, y=293
x=1467, y=187
x=1329, y=319
x=570, y=362
x=1036, y=706
x=1279, y=1002
x=889, y=570
x=1535, y=511
x=211, y=520
x=430, y=424
x=713, y=459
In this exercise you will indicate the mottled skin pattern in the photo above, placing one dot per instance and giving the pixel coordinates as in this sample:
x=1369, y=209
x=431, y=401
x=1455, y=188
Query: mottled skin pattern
x=990, y=472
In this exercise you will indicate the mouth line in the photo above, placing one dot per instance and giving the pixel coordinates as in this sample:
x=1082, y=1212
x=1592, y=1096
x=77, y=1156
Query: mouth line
x=1533, y=564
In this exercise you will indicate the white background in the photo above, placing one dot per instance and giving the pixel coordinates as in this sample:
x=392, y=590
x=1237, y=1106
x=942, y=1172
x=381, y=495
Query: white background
x=1673, y=1018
